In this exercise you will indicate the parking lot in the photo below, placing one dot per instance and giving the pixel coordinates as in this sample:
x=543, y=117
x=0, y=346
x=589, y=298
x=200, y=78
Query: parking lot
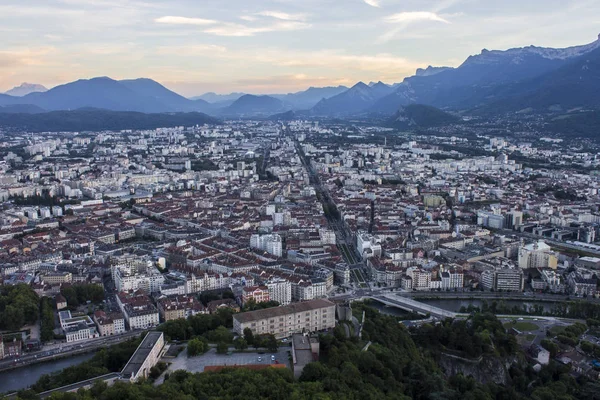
x=211, y=358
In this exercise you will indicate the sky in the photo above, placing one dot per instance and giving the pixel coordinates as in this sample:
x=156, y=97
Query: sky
x=270, y=46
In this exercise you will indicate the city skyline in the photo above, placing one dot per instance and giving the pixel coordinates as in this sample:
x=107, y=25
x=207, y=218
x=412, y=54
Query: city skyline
x=269, y=46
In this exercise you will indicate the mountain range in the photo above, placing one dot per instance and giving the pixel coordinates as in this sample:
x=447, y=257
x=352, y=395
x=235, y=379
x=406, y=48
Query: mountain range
x=26, y=88
x=359, y=97
x=533, y=79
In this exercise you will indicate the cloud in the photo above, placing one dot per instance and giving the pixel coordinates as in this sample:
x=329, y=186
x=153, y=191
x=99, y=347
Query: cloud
x=184, y=21
x=25, y=57
x=404, y=19
x=415, y=16
x=284, y=22
x=282, y=16
x=373, y=3
x=193, y=50
x=238, y=30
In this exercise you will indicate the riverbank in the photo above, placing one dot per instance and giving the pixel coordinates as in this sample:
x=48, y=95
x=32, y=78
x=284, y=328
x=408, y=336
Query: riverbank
x=46, y=359
x=22, y=378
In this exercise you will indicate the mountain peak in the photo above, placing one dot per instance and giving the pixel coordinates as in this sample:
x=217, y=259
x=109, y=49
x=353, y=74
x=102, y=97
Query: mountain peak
x=25, y=88
x=360, y=85
x=516, y=54
x=430, y=70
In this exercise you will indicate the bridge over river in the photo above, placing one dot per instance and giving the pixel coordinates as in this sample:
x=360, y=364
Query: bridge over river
x=411, y=305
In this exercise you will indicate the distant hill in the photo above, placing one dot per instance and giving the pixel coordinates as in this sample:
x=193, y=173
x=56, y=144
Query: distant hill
x=286, y=116
x=100, y=120
x=421, y=116
x=212, y=97
x=356, y=99
x=21, y=109
x=576, y=124
x=141, y=95
x=25, y=89
x=307, y=99
x=255, y=105
x=171, y=100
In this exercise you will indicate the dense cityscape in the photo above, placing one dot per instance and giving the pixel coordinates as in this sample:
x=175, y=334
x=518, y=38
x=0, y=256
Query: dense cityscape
x=133, y=230
x=299, y=200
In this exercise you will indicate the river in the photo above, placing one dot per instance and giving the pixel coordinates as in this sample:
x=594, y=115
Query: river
x=455, y=305
x=22, y=378
x=394, y=311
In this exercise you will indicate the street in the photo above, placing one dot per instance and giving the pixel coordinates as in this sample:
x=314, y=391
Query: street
x=64, y=350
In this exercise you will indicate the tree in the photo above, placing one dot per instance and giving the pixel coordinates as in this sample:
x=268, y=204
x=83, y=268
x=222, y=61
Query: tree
x=272, y=344
x=222, y=348
x=249, y=336
x=221, y=334
x=587, y=347
x=551, y=347
x=240, y=343
x=196, y=347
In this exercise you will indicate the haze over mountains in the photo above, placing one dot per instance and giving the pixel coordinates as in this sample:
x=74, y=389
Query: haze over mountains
x=26, y=88
x=531, y=78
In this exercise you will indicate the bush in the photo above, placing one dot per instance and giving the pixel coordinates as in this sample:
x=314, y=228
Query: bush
x=222, y=348
x=197, y=346
x=551, y=347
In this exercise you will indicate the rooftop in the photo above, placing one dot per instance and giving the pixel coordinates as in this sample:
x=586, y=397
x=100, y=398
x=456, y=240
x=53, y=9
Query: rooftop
x=141, y=354
x=283, y=310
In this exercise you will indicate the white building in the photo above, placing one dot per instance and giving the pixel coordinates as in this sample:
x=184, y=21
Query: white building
x=368, y=245
x=271, y=243
x=280, y=290
x=131, y=278
x=421, y=279
x=537, y=255
x=503, y=279
x=452, y=279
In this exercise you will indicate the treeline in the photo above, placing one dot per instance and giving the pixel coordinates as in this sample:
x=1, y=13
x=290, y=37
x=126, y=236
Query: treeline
x=204, y=165
x=82, y=293
x=197, y=325
x=500, y=307
x=568, y=309
x=101, y=120
x=19, y=305
x=393, y=367
x=107, y=360
x=47, y=319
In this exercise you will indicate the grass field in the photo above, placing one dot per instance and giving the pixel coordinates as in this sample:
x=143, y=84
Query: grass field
x=557, y=330
x=522, y=326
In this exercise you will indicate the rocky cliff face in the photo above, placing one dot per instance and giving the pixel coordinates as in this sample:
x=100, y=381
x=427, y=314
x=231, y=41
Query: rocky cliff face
x=484, y=370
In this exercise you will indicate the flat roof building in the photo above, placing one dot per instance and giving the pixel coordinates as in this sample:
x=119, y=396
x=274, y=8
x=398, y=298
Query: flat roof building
x=284, y=321
x=145, y=357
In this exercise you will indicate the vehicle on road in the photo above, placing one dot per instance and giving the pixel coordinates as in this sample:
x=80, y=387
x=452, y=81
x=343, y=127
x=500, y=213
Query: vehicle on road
x=259, y=359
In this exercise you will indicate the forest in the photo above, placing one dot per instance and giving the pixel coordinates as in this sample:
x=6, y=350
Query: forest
x=399, y=364
x=19, y=305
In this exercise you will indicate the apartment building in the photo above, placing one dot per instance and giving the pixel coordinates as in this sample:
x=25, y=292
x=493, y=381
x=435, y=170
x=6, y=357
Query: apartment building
x=272, y=243
x=503, y=279
x=284, y=321
x=177, y=307
x=280, y=290
x=53, y=278
x=257, y=293
x=537, y=255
